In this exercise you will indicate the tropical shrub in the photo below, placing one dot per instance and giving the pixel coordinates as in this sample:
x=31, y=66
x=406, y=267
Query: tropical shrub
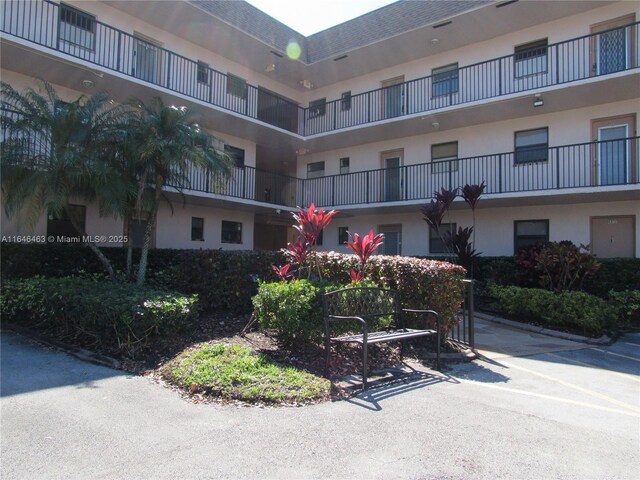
x=91, y=311
x=557, y=266
x=627, y=306
x=294, y=311
x=585, y=313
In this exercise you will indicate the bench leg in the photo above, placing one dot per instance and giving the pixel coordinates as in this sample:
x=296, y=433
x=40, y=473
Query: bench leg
x=364, y=366
x=327, y=354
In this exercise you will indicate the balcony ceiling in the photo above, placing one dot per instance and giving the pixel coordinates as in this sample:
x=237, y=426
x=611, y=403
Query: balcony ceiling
x=483, y=23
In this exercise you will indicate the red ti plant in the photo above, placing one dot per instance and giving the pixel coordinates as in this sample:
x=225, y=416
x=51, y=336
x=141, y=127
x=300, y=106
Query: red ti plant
x=312, y=221
x=283, y=273
x=364, y=247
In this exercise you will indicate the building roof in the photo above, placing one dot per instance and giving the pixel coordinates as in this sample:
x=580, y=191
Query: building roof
x=385, y=22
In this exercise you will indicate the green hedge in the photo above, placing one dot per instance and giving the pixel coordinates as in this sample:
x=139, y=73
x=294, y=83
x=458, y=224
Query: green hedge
x=294, y=308
x=590, y=314
x=112, y=316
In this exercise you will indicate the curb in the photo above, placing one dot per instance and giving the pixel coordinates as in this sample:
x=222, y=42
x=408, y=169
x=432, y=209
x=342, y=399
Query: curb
x=603, y=340
x=79, y=353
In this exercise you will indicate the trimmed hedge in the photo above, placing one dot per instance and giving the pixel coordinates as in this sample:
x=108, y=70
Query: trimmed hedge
x=591, y=314
x=294, y=310
x=112, y=316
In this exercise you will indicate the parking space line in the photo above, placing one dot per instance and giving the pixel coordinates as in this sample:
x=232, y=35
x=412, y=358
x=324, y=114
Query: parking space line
x=575, y=387
x=635, y=359
x=628, y=376
x=549, y=397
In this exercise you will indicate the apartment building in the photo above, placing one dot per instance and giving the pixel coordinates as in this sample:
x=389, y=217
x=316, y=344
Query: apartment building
x=538, y=100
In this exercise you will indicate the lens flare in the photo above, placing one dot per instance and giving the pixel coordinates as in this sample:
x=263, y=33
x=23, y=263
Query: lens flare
x=293, y=50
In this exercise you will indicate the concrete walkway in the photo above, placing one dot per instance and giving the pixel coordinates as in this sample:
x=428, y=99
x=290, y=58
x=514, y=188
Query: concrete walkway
x=555, y=414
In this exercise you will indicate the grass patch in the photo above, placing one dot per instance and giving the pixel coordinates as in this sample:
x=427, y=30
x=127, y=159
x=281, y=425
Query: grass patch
x=233, y=372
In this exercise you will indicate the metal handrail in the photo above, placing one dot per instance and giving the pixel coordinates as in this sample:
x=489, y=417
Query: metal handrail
x=112, y=48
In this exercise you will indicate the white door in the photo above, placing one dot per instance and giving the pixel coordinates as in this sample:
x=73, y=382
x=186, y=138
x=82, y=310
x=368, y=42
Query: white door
x=146, y=60
x=613, y=155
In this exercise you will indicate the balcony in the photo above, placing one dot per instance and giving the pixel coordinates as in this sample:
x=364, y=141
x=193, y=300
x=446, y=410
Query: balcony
x=67, y=31
x=594, y=166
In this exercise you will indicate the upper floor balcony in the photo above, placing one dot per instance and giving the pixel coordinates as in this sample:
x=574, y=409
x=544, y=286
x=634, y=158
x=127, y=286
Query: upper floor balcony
x=64, y=30
x=602, y=166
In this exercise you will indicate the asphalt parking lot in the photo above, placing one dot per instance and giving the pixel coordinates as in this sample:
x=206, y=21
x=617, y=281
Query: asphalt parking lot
x=564, y=411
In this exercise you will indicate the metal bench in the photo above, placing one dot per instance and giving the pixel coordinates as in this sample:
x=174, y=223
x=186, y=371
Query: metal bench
x=366, y=305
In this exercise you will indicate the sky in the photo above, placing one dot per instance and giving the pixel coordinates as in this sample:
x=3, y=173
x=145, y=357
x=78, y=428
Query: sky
x=311, y=16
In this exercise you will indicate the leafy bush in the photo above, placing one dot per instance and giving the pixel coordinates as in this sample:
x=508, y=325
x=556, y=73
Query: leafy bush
x=618, y=274
x=294, y=310
x=588, y=313
x=224, y=280
x=234, y=372
x=627, y=305
x=421, y=283
x=92, y=311
x=558, y=266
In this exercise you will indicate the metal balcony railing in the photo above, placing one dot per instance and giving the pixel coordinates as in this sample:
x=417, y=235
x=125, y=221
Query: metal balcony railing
x=74, y=33
x=594, y=165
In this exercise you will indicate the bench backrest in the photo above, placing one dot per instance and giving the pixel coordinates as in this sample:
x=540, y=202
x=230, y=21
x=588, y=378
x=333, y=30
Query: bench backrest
x=364, y=302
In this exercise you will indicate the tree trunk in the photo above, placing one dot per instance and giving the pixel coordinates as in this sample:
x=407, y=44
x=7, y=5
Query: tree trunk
x=151, y=223
x=92, y=246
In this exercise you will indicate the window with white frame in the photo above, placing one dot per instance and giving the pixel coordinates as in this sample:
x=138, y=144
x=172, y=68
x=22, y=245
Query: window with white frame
x=444, y=157
x=77, y=27
x=315, y=169
x=231, y=232
x=344, y=165
x=530, y=58
x=317, y=108
x=343, y=235
x=444, y=80
x=531, y=146
x=203, y=72
x=436, y=244
x=236, y=86
x=345, y=101
x=529, y=232
x=197, y=229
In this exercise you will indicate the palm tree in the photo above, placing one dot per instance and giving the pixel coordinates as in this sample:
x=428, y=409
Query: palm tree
x=54, y=151
x=167, y=145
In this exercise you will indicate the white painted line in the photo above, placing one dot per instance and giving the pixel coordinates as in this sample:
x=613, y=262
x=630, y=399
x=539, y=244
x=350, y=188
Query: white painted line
x=549, y=397
x=593, y=393
x=635, y=359
x=628, y=376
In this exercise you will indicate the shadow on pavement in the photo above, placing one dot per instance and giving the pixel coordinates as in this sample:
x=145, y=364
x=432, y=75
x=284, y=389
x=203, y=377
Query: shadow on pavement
x=27, y=367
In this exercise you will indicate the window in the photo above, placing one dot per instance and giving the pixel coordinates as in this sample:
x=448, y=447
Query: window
x=436, y=245
x=231, y=232
x=444, y=80
x=203, y=72
x=320, y=238
x=444, y=157
x=343, y=235
x=532, y=146
x=530, y=232
x=315, y=170
x=197, y=229
x=236, y=86
x=317, y=107
x=345, y=101
x=344, y=165
x=77, y=27
x=236, y=154
x=530, y=58
x=60, y=226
